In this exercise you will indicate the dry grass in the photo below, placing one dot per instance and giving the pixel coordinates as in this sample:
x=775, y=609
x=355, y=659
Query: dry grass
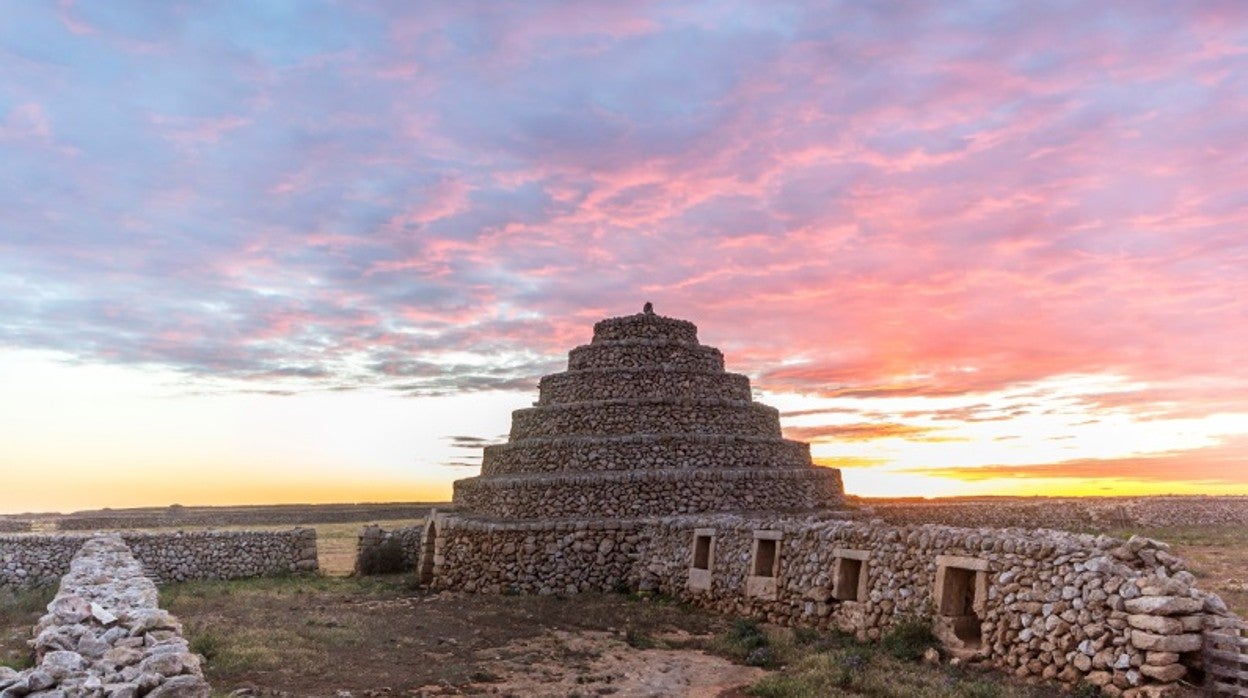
x=19, y=611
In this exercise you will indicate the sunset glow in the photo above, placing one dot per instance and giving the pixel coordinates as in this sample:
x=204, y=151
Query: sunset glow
x=296, y=252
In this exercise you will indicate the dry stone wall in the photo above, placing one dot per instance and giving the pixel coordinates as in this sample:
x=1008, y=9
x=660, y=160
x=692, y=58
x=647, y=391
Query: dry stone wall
x=654, y=493
x=268, y=515
x=1118, y=614
x=1123, y=615
x=14, y=526
x=1072, y=514
x=105, y=635
x=642, y=452
x=536, y=558
x=35, y=560
x=647, y=416
x=646, y=353
x=639, y=383
x=374, y=539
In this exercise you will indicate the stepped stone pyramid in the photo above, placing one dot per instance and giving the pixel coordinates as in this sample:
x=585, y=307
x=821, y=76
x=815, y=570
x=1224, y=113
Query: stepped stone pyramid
x=645, y=422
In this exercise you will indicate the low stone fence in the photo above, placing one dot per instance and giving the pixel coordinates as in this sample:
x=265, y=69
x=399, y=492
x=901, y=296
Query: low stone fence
x=1123, y=615
x=1069, y=607
x=565, y=557
x=34, y=560
x=269, y=515
x=14, y=526
x=104, y=634
x=1071, y=514
x=379, y=551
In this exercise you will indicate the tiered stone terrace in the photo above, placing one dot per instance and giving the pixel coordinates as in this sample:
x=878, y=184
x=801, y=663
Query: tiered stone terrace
x=645, y=422
x=646, y=466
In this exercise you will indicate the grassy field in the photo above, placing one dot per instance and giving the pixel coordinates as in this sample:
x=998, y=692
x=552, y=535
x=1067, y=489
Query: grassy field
x=316, y=635
x=19, y=610
x=319, y=635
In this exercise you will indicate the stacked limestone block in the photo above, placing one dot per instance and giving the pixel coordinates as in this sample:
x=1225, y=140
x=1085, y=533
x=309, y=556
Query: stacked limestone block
x=105, y=635
x=645, y=422
x=1125, y=616
x=179, y=556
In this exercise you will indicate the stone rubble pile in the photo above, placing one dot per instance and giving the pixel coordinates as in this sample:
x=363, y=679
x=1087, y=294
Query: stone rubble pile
x=105, y=636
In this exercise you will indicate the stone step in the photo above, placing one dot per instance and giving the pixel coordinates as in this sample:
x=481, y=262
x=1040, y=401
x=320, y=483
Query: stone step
x=645, y=416
x=642, y=452
x=608, y=383
x=646, y=353
x=650, y=493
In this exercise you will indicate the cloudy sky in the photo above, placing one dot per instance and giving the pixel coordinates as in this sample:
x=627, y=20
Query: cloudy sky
x=317, y=251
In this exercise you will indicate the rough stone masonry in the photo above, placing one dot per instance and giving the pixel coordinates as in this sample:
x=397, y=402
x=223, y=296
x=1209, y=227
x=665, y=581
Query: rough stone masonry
x=178, y=556
x=105, y=635
x=646, y=465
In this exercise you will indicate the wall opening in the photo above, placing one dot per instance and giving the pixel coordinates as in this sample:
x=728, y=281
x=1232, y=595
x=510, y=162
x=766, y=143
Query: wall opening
x=701, y=552
x=702, y=558
x=961, y=592
x=848, y=574
x=764, y=565
x=765, y=555
x=428, y=549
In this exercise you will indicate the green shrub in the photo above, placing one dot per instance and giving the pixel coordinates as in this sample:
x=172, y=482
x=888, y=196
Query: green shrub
x=908, y=638
x=207, y=644
x=747, y=634
x=763, y=656
x=638, y=640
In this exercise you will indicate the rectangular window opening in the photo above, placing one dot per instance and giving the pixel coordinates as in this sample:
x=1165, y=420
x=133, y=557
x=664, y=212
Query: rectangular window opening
x=765, y=557
x=702, y=552
x=703, y=559
x=961, y=586
x=848, y=575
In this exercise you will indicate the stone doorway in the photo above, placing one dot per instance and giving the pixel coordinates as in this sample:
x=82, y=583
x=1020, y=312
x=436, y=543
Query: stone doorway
x=961, y=595
x=428, y=550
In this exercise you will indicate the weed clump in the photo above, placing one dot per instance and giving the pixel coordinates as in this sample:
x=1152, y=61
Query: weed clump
x=764, y=657
x=638, y=640
x=207, y=644
x=909, y=638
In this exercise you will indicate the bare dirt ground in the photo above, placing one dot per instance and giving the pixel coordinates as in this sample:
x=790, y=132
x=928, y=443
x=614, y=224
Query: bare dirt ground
x=320, y=636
